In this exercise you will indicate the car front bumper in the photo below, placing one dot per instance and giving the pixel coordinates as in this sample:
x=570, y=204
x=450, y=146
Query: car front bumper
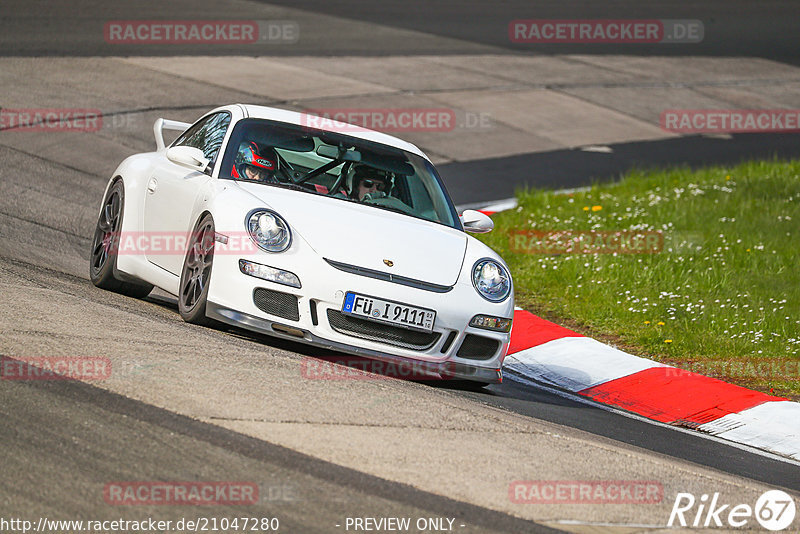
x=445, y=370
x=318, y=319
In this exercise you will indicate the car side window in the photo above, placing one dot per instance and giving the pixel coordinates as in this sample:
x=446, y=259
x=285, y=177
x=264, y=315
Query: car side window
x=207, y=135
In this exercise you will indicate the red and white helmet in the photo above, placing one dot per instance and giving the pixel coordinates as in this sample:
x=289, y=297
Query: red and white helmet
x=264, y=161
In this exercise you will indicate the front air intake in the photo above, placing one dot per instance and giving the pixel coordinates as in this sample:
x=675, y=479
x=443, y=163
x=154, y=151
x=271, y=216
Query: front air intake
x=478, y=347
x=381, y=333
x=276, y=303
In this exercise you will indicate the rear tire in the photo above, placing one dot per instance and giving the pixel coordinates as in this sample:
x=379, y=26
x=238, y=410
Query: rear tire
x=105, y=246
x=196, y=274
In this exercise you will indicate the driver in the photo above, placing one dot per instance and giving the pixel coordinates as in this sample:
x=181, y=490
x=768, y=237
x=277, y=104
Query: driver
x=255, y=163
x=368, y=180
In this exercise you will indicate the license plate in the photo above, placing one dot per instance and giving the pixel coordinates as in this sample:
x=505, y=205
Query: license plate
x=387, y=311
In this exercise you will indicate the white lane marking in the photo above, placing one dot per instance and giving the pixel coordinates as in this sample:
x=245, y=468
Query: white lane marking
x=589, y=402
x=492, y=205
x=739, y=428
x=511, y=203
x=590, y=523
x=768, y=426
x=576, y=363
x=603, y=149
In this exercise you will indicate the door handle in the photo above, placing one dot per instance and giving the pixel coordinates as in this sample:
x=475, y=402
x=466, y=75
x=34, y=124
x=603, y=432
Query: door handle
x=152, y=185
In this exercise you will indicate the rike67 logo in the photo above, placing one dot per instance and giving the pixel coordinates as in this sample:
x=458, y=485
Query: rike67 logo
x=774, y=510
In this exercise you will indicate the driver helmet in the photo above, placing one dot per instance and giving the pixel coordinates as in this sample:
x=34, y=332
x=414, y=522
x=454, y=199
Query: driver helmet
x=264, y=161
x=361, y=172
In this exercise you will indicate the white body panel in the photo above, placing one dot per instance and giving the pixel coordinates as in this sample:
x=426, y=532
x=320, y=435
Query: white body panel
x=364, y=236
x=169, y=206
x=323, y=228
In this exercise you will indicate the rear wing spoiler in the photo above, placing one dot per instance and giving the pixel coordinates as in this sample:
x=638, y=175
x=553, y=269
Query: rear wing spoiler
x=166, y=124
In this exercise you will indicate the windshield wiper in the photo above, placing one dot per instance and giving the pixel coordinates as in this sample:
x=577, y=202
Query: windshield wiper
x=296, y=187
x=388, y=208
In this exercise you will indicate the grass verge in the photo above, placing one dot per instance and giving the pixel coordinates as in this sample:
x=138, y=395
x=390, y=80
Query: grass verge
x=697, y=269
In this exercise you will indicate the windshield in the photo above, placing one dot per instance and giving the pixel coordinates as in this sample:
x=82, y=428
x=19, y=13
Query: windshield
x=338, y=166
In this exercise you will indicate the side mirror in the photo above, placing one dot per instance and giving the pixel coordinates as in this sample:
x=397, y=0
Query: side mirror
x=188, y=156
x=476, y=222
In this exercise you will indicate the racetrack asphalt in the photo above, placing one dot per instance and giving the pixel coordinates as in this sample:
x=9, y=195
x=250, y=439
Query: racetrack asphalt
x=732, y=28
x=187, y=403
x=86, y=438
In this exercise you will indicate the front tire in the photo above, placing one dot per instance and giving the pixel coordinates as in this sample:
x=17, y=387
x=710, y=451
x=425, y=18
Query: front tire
x=105, y=246
x=196, y=274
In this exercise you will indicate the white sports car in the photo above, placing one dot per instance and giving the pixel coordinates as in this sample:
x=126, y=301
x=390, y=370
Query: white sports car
x=333, y=235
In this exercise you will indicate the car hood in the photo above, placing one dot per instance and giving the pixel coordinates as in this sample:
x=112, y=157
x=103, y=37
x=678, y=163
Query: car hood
x=369, y=237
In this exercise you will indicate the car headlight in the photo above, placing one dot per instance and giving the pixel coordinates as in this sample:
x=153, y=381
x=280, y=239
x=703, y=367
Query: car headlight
x=273, y=274
x=491, y=280
x=489, y=322
x=268, y=230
